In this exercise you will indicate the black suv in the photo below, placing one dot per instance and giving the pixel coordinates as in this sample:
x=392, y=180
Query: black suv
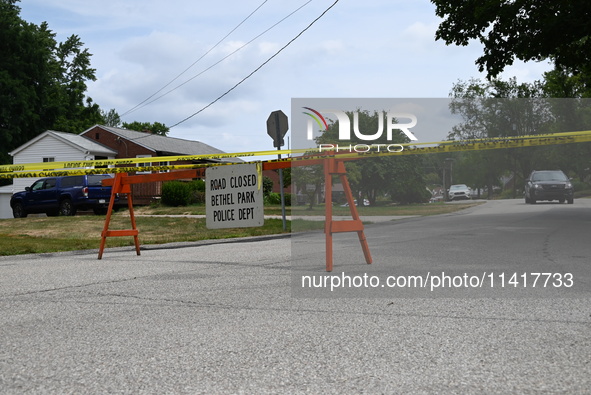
x=548, y=185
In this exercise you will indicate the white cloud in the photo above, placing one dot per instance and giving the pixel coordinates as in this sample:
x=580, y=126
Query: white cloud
x=375, y=48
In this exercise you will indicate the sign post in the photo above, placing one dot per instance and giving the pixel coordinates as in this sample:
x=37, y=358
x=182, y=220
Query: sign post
x=277, y=127
x=234, y=197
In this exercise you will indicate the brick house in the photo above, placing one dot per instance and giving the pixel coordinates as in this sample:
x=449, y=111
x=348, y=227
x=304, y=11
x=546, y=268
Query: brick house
x=134, y=144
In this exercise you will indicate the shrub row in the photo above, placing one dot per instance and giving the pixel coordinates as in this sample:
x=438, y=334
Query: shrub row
x=182, y=193
x=275, y=198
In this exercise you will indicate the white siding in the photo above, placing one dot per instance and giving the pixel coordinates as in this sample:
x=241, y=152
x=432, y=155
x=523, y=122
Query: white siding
x=48, y=146
x=5, y=195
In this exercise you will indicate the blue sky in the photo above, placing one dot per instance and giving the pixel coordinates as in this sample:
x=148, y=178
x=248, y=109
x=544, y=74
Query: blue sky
x=364, y=49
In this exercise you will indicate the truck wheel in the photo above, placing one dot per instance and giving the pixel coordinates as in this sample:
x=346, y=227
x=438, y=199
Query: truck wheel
x=67, y=208
x=18, y=211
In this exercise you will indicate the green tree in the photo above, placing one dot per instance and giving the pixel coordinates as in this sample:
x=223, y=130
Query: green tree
x=557, y=30
x=156, y=127
x=77, y=112
x=307, y=181
x=27, y=86
x=111, y=118
x=42, y=83
x=400, y=176
x=504, y=108
x=498, y=109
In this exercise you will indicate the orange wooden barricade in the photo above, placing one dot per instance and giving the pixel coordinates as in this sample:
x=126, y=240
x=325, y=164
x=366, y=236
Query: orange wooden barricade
x=121, y=185
x=332, y=167
x=119, y=188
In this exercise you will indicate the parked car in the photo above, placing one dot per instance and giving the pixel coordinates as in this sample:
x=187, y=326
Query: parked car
x=365, y=203
x=548, y=185
x=459, y=191
x=62, y=196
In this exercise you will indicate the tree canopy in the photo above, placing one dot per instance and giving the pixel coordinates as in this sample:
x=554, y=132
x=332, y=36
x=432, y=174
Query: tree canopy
x=42, y=82
x=401, y=177
x=156, y=127
x=529, y=30
x=505, y=108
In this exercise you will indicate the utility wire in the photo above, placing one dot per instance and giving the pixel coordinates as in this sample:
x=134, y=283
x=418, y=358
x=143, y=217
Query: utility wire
x=195, y=62
x=216, y=63
x=258, y=68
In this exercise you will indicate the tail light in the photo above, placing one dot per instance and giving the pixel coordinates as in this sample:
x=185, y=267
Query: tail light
x=85, y=191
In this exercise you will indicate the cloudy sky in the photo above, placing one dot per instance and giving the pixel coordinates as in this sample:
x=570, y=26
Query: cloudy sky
x=174, y=57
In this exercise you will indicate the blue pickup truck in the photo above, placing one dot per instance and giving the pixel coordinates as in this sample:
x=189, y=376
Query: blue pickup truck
x=63, y=196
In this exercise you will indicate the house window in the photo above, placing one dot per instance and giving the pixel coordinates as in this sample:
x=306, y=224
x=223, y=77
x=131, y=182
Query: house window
x=164, y=164
x=97, y=136
x=48, y=160
x=144, y=164
x=98, y=157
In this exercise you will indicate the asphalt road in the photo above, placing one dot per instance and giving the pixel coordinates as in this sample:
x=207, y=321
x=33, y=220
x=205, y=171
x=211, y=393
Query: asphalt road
x=232, y=317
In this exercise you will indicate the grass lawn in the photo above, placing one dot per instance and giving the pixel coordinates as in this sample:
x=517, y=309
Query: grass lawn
x=411, y=209
x=51, y=234
x=36, y=234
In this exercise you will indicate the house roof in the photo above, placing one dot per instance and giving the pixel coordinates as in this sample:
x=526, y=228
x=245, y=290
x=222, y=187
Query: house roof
x=163, y=145
x=75, y=140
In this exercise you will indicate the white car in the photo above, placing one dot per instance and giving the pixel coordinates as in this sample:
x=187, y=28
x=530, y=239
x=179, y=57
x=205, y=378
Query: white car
x=365, y=203
x=459, y=191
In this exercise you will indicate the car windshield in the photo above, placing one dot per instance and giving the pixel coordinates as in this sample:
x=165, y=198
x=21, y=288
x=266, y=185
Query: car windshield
x=458, y=187
x=549, y=176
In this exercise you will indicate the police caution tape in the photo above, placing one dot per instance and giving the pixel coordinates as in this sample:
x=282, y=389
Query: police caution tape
x=358, y=151
x=133, y=161
x=109, y=170
x=354, y=151
x=342, y=151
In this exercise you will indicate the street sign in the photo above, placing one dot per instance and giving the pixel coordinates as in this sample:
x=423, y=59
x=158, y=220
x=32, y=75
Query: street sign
x=277, y=127
x=234, y=197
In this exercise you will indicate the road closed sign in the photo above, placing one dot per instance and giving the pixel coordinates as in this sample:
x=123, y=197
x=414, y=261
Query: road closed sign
x=234, y=196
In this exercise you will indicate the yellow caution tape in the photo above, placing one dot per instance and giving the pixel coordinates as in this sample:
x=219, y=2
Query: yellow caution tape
x=110, y=170
x=129, y=161
x=344, y=151
x=259, y=167
x=355, y=151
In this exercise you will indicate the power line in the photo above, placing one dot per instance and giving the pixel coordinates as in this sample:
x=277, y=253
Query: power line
x=195, y=62
x=216, y=63
x=258, y=68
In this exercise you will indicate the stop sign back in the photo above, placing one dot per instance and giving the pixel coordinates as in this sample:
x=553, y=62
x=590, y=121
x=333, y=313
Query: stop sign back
x=277, y=127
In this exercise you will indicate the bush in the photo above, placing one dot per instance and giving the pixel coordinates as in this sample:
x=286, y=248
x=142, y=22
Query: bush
x=411, y=195
x=197, y=192
x=176, y=193
x=197, y=185
x=275, y=198
x=580, y=185
x=508, y=194
x=267, y=186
